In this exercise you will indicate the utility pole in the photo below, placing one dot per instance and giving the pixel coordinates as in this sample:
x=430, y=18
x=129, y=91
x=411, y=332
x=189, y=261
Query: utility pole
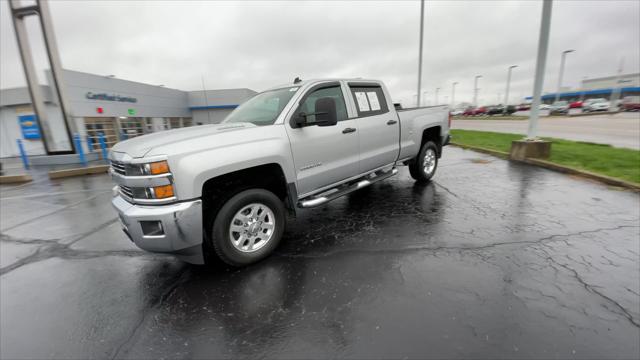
x=475, y=90
x=506, y=93
x=617, y=88
x=420, y=51
x=564, y=55
x=453, y=94
x=437, y=91
x=543, y=46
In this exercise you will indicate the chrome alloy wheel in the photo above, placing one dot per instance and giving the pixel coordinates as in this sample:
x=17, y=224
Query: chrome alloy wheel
x=252, y=227
x=429, y=161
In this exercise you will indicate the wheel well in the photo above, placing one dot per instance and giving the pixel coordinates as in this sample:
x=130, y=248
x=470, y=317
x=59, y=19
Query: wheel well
x=216, y=191
x=432, y=134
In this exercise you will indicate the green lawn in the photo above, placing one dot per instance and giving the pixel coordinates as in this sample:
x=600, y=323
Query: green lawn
x=494, y=117
x=602, y=159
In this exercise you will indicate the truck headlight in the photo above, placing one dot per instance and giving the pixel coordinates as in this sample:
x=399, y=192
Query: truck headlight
x=157, y=168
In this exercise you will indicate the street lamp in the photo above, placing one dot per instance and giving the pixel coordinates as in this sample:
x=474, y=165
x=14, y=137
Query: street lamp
x=506, y=93
x=437, y=91
x=564, y=54
x=475, y=90
x=420, y=51
x=453, y=93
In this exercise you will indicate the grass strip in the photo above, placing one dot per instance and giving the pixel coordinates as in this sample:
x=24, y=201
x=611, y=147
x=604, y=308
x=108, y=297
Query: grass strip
x=598, y=158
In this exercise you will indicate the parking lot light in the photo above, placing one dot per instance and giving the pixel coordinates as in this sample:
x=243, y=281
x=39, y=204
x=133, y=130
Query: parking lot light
x=453, y=93
x=475, y=90
x=506, y=93
x=562, y=61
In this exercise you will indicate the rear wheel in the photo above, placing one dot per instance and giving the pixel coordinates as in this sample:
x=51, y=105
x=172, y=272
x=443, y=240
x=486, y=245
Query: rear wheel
x=425, y=164
x=248, y=227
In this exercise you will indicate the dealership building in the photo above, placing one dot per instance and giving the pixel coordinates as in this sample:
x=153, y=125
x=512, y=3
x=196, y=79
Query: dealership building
x=603, y=87
x=117, y=108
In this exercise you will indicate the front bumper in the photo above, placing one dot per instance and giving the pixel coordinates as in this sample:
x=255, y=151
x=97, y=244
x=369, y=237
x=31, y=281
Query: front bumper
x=181, y=224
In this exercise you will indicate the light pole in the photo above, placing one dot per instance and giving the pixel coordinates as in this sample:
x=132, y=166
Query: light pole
x=453, y=93
x=564, y=55
x=437, y=91
x=420, y=51
x=543, y=45
x=506, y=93
x=475, y=90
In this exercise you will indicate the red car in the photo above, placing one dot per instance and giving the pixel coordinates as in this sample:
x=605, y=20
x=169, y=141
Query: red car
x=475, y=111
x=524, y=107
x=631, y=103
x=575, y=105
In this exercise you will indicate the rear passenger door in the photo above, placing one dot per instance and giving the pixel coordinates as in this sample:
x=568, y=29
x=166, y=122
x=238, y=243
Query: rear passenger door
x=379, y=127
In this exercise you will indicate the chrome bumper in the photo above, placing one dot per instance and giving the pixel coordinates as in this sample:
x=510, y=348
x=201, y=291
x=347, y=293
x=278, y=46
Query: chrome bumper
x=181, y=224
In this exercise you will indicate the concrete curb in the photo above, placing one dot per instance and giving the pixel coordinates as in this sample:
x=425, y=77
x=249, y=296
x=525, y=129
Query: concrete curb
x=501, y=154
x=98, y=169
x=556, y=167
x=15, y=179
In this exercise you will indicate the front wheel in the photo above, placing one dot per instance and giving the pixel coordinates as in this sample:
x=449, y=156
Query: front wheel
x=424, y=166
x=248, y=227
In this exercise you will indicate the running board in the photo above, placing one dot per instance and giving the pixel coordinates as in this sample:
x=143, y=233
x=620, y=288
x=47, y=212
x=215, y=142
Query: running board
x=345, y=189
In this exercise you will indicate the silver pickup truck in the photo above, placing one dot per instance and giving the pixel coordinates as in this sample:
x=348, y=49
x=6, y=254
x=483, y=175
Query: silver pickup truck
x=225, y=190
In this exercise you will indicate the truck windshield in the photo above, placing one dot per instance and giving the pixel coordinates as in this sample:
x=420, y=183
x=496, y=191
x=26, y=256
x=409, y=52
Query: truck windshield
x=264, y=108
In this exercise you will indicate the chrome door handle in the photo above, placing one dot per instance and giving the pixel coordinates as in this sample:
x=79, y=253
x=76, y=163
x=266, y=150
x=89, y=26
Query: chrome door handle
x=391, y=122
x=348, y=130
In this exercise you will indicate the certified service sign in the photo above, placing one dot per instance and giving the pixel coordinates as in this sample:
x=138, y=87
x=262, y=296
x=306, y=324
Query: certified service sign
x=29, y=127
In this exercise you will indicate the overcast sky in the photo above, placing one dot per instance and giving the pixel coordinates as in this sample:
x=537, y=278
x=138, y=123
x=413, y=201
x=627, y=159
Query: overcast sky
x=261, y=44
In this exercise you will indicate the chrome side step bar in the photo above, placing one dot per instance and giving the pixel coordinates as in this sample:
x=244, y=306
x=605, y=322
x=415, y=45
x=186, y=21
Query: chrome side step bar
x=328, y=195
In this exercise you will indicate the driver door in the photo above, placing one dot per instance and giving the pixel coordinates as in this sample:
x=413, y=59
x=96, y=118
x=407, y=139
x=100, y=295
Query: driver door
x=324, y=155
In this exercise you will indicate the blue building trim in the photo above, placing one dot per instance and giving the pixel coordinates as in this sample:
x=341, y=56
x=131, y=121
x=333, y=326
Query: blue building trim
x=213, y=107
x=588, y=92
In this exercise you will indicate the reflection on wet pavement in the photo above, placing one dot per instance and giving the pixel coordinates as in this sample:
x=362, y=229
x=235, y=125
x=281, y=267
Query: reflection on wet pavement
x=492, y=259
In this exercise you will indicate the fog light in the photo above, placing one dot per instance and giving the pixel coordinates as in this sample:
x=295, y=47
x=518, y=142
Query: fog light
x=152, y=228
x=163, y=192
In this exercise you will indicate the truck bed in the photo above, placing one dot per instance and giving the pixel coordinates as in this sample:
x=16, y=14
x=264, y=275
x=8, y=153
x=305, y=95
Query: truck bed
x=413, y=122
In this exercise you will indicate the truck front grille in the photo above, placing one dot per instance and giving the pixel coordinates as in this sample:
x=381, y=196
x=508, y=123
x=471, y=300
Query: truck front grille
x=118, y=168
x=127, y=191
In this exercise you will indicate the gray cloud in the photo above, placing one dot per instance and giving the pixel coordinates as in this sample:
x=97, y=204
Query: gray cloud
x=260, y=44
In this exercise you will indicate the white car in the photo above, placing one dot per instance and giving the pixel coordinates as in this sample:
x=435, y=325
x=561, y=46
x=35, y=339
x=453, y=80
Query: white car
x=599, y=104
x=457, y=112
x=596, y=105
x=544, y=107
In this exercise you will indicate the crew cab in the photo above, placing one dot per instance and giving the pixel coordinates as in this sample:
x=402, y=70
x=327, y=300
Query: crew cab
x=225, y=190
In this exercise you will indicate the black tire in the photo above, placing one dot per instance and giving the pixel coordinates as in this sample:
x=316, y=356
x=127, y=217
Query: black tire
x=416, y=168
x=220, y=232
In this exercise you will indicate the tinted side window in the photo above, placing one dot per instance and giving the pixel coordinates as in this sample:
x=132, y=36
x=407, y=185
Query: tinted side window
x=369, y=100
x=335, y=92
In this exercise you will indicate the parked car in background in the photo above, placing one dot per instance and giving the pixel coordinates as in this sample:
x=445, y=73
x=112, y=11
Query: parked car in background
x=544, y=107
x=559, y=107
x=524, y=107
x=495, y=109
x=598, y=104
x=480, y=110
x=457, y=112
x=575, y=105
x=631, y=103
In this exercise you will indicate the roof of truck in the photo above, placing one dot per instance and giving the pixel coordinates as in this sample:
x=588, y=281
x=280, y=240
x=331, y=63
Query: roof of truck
x=305, y=82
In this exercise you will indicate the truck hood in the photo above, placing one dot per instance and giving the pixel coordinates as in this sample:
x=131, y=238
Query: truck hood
x=142, y=145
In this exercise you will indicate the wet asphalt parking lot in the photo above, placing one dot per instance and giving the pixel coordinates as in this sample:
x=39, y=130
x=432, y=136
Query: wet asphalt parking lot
x=491, y=260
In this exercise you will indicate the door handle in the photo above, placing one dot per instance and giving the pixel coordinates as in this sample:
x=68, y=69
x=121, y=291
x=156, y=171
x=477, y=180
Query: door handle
x=348, y=130
x=391, y=122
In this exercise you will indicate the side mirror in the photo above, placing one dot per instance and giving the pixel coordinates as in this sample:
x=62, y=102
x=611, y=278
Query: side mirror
x=325, y=112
